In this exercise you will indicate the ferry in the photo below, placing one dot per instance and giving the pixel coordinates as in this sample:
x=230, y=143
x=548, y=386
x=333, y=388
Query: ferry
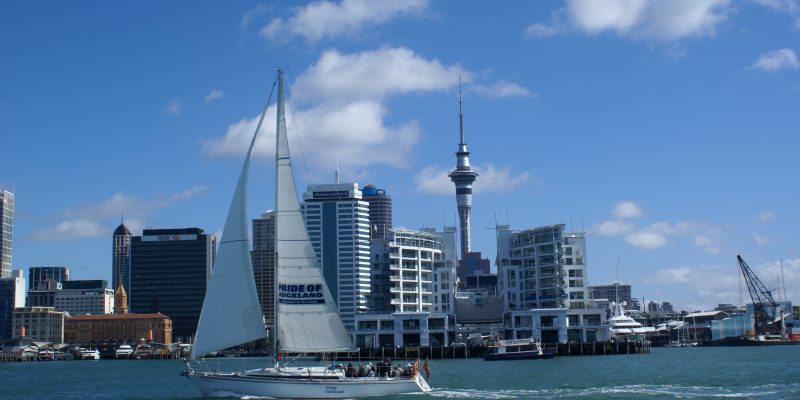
x=518, y=349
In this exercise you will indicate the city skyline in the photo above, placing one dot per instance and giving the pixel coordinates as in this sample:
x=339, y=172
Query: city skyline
x=667, y=133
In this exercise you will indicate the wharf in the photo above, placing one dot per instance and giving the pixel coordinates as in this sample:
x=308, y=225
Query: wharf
x=455, y=352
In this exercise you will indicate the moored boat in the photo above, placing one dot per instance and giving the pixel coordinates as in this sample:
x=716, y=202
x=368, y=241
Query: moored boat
x=124, y=351
x=518, y=349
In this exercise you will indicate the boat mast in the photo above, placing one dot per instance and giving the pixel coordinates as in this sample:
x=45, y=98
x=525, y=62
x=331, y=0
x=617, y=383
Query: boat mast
x=280, y=118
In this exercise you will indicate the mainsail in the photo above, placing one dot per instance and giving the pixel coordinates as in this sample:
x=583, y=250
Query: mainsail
x=231, y=312
x=307, y=317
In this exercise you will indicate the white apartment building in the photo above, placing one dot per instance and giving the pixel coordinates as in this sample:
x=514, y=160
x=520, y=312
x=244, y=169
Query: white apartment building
x=412, y=255
x=337, y=220
x=444, y=272
x=543, y=278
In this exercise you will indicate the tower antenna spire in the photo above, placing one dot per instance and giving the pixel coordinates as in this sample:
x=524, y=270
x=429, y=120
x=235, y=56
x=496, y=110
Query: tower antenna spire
x=460, y=111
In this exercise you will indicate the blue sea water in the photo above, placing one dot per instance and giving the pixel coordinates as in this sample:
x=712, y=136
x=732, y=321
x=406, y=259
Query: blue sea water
x=666, y=373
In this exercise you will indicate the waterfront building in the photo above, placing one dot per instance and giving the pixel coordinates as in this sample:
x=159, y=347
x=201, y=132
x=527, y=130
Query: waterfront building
x=85, y=297
x=463, y=177
x=6, y=232
x=411, y=258
x=337, y=220
x=169, y=272
x=41, y=324
x=531, y=269
x=541, y=271
x=12, y=296
x=118, y=328
x=43, y=284
x=444, y=271
x=380, y=211
x=404, y=329
x=616, y=292
x=121, y=258
x=263, y=256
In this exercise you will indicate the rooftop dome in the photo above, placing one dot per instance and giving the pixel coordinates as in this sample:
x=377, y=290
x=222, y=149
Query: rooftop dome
x=122, y=230
x=369, y=190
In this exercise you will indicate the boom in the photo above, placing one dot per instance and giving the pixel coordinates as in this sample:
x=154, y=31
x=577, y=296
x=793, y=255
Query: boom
x=762, y=298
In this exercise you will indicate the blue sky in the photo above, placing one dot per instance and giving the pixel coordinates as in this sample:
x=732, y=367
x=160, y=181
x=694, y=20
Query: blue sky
x=668, y=130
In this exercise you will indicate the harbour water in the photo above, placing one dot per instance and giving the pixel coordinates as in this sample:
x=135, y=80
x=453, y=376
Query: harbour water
x=771, y=372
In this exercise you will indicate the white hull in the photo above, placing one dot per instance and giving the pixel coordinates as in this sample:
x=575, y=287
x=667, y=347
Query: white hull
x=293, y=388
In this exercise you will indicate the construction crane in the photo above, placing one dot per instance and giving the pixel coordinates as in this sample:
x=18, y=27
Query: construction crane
x=763, y=322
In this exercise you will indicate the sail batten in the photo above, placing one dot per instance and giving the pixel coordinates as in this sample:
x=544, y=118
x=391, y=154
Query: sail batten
x=307, y=317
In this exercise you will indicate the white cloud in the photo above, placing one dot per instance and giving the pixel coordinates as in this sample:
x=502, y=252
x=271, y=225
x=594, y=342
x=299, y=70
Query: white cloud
x=646, y=240
x=214, y=94
x=765, y=216
x=641, y=19
x=543, y=30
x=760, y=240
x=345, y=117
x=326, y=19
x=705, y=286
x=434, y=180
x=173, y=107
x=702, y=235
x=627, y=209
x=501, y=89
x=777, y=59
x=249, y=16
x=97, y=219
x=613, y=227
x=787, y=6
x=373, y=75
x=72, y=229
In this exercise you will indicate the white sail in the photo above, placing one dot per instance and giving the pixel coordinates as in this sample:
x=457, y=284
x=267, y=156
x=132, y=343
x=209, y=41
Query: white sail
x=307, y=318
x=231, y=312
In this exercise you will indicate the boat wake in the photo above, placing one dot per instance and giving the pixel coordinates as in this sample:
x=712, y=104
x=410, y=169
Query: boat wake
x=629, y=391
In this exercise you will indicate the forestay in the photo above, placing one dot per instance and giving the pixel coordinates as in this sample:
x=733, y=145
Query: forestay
x=307, y=317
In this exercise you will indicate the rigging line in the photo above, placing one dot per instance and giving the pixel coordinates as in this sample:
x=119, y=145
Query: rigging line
x=297, y=131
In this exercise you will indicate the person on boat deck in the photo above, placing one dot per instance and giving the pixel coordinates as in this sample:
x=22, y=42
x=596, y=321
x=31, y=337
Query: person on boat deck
x=396, y=372
x=361, y=371
x=350, y=372
x=370, y=371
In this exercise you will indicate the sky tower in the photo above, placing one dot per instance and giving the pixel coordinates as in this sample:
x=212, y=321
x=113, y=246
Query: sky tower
x=463, y=177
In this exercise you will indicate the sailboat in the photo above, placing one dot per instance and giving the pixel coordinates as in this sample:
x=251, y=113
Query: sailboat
x=306, y=317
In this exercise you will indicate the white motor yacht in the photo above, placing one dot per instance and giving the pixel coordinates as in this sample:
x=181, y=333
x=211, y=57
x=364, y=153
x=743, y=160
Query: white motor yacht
x=625, y=328
x=124, y=351
x=90, y=354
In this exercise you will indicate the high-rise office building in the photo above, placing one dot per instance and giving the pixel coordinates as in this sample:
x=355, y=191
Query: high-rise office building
x=85, y=297
x=6, y=231
x=12, y=295
x=121, y=258
x=380, y=210
x=263, y=256
x=169, y=272
x=445, y=278
x=463, y=177
x=43, y=284
x=337, y=220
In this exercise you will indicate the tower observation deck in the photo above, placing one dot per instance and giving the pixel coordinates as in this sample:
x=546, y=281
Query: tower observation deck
x=463, y=177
